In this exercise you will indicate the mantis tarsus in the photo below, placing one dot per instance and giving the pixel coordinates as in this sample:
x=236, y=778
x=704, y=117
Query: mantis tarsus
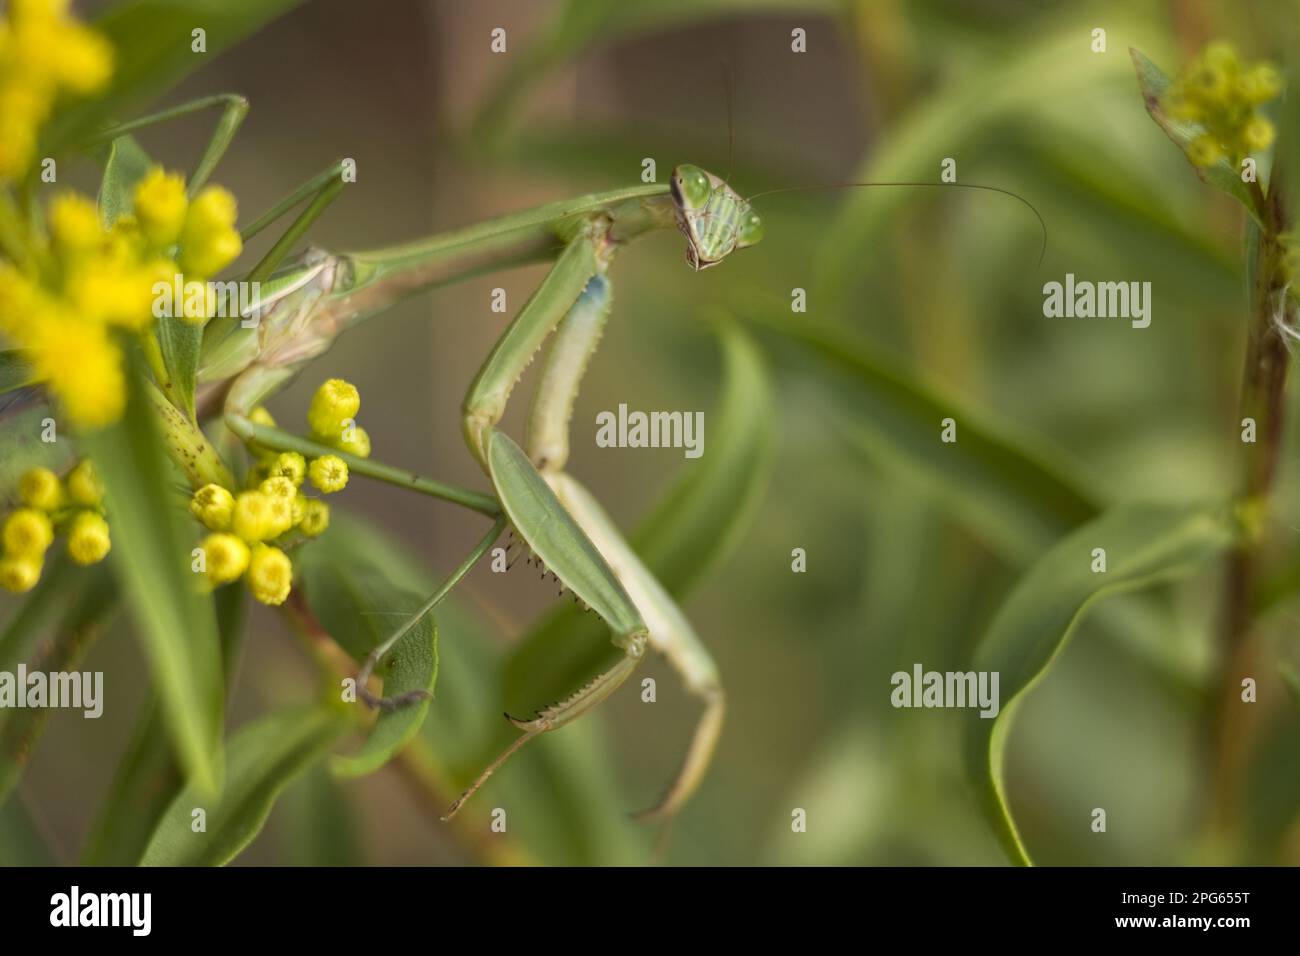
x=306, y=305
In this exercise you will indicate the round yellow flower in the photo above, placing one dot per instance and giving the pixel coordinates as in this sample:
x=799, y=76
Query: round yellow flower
x=88, y=540
x=334, y=402
x=19, y=573
x=355, y=441
x=214, y=506
x=39, y=488
x=225, y=556
x=315, y=517
x=252, y=519
x=291, y=465
x=160, y=206
x=1259, y=84
x=82, y=366
x=270, y=574
x=74, y=224
x=329, y=473
x=1204, y=151
x=84, y=486
x=1257, y=134
x=85, y=60
x=27, y=532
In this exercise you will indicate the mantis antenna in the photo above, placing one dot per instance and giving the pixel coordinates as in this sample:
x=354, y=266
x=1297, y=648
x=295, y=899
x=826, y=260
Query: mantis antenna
x=994, y=189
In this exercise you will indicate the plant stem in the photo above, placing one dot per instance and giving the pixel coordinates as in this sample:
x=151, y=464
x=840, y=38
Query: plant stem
x=1262, y=399
x=187, y=445
x=274, y=438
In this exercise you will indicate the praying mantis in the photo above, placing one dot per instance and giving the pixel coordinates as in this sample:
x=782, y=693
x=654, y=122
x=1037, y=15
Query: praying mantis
x=307, y=302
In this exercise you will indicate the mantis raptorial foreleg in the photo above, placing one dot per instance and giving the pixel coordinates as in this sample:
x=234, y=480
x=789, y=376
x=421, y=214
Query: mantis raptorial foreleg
x=486, y=400
x=548, y=446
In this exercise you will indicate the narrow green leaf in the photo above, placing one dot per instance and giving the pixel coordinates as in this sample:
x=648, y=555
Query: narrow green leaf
x=90, y=607
x=324, y=829
x=14, y=371
x=1222, y=175
x=359, y=605
x=1011, y=489
x=1144, y=544
x=125, y=164
x=149, y=776
x=38, y=608
x=263, y=758
x=694, y=528
x=153, y=50
x=151, y=553
x=20, y=840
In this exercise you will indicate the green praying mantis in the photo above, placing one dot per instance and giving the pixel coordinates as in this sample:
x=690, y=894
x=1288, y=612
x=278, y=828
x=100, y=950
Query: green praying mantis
x=306, y=303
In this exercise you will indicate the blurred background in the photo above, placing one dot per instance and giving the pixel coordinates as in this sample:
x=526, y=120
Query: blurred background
x=906, y=561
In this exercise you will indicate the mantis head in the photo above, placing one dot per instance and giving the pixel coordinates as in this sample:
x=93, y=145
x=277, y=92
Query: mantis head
x=712, y=216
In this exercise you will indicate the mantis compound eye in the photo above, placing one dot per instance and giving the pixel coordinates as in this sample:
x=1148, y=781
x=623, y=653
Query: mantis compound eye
x=751, y=231
x=690, y=186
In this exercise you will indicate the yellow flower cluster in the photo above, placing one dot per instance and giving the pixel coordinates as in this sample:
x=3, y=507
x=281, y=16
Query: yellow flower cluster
x=43, y=53
x=97, y=281
x=73, y=505
x=1223, y=96
x=332, y=418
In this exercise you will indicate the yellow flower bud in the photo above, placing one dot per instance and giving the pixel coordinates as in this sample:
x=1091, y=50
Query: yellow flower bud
x=291, y=465
x=19, y=573
x=277, y=486
x=82, y=366
x=329, y=473
x=281, y=492
x=212, y=254
x=281, y=512
x=1257, y=134
x=214, y=506
x=334, y=402
x=27, y=532
x=160, y=206
x=85, y=60
x=74, y=224
x=84, y=486
x=1204, y=151
x=315, y=517
x=355, y=441
x=1259, y=84
x=213, y=210
x=40, y=489
x=252, y=519
x=226, y=558
x=88, y=540
x=270, y=574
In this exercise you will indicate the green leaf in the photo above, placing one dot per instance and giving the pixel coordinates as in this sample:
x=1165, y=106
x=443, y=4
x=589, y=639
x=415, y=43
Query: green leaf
x=359, y=605
x=20, y=841
x=90, y=607
x=152, y=541
x=1009, y=487
x=153, y=51
x=263, y=758
x=125, y=164
x=1222, y=175
x=693, y=529
x=14, y=371
x=148, y=775
x=1144, y=544
x=180, y=341
x=324, y=829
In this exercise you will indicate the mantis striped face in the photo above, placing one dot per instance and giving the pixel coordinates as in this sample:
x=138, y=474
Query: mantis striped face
x=712, y=216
